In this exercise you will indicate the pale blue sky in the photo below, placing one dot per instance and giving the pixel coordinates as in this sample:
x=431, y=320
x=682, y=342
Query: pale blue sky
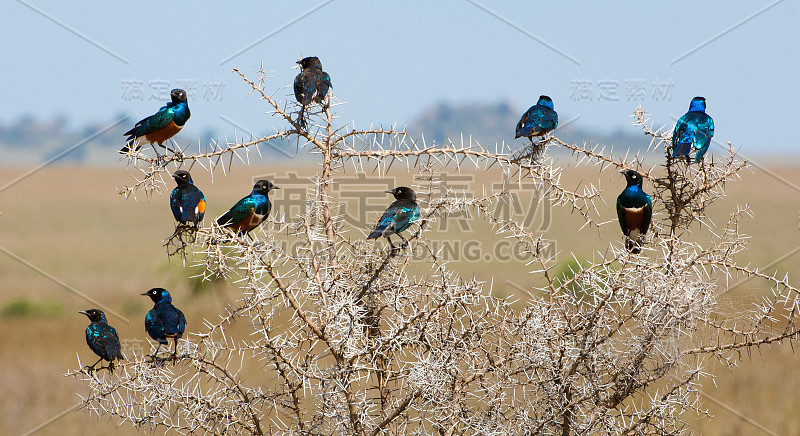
x=391, y=60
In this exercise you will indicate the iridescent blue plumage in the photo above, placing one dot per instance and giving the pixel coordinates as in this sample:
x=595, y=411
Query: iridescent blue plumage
x=694, y=130
x=634, y=211
x=102, y=338
x=161, y=126
x=538, y=120
x=187, y=202
x=311, y=85
x=164, y=320
x=250, y=211
x=398, y=216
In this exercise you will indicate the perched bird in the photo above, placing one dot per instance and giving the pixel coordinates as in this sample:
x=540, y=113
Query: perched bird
x=250, y=211
x=694, y=130
x=634, y=210
x=398, y=216
x=102, y=338
x=166, y=123
x=311, y=85
x=538, y=120
x=187, y=202
x=164, y=320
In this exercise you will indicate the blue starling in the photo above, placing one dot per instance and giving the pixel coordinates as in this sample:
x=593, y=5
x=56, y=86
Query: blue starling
x=187, y=202
x=538, y=120
x=102, y=338
x=634, y=210
x=694, y=130
x=311, y=85
x=164, y=320
x=250, y=211
x=163, y=125
x=398, y=216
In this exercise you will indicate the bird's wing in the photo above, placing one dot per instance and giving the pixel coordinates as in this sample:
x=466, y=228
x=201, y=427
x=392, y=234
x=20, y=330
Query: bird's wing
x=173, y=319
x=404, y=217
x=648, y=215
x=190, y=207
x=621, y=216
x=703, y=135
x=323, y=84
x=154, y=324
x=241, y=210
x=401, y=220
x=304, y=87
x=175, y=202
x=152, y=123
x=682, y=137
x=94, y=339
x=198, y=202
x=384, y=222
x=538, y=120
x=710, y=126
x=298, y=88
x=535, y=118
x=112, y=343
x=181, y=321
x=548, y=119
x=523, y=126
x=677, y=131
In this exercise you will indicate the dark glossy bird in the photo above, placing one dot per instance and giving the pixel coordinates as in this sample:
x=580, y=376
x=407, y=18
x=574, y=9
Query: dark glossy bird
x=311, y=85
x=102, y=338
x=250, y=211
x=166, y=123
x=538, y=120
x=187, y=202
x=634, y=210
x=398, y=216
x=693, y=131
x=164, y=320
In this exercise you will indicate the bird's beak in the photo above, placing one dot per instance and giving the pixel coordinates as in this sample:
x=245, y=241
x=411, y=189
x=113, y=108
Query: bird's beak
x=622, y=171
x=275, y=187
x=389, y=191
x=83, y=312
x=144, y=293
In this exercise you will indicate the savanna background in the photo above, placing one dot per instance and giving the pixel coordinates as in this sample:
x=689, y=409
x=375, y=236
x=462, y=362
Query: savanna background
x=67, y=235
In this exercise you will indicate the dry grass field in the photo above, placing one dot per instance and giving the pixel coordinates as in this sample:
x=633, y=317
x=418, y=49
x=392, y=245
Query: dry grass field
x=71, y=223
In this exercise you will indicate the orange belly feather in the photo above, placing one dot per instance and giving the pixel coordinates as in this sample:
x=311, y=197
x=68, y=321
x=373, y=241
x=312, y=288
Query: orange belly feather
x=247, y=224
x=634, y=218
x=161, y=135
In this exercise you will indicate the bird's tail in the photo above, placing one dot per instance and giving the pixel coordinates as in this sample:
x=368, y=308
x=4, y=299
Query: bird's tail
x=131, y=145
x=523, y=132
x=224, y=220
x=632, y=246
x=681, y=149
x=301, y=118
x=190, y=217
x=377, y=233
x=702, y=148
